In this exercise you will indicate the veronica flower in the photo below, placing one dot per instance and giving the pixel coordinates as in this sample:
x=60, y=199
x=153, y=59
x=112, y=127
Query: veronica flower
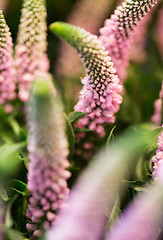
x=48, y=150
x=158, y=158
x=115, y=35
x=7, y=73
x=30, y=52
x=157, y=116
x=100, y=96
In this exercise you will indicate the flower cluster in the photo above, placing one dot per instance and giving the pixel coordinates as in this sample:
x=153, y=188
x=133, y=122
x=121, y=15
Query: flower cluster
x=100, y=96
x=158, y=158
x=7, y=73
x=30, y=52
x=48, y=151
x=115, y=35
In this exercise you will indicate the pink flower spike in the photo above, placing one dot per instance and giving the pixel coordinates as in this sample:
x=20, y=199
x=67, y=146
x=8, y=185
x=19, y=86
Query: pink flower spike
x=116, y=35
x=7, y=73
x=48, y=151
x=101, y=91
x=30, y=52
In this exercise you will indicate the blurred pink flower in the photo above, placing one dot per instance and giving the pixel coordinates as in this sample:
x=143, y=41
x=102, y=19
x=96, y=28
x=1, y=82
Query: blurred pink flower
x=30, y=52
x=92, y=198
x=7, y=73
x=48, y=151
x=142, y=219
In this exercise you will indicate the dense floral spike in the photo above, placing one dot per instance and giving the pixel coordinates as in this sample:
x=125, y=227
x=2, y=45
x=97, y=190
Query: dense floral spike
x=30, y=54
x=158, y=158
x=100, y=96
x=142, y=219
x=115, y=35
x=7, y=74
x=48, y=151
x=157, y=116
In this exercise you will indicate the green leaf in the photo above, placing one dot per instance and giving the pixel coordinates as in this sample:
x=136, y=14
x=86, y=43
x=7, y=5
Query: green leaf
x=71, y=136
x=19, y=187
x=74, y=116
x=114, y=213
x=8, y=219
x=14, y=125
x=82, y=130
x=3, y=193
x=13, y=235
x=9, y=157
x=110, y=135
x=137, y=185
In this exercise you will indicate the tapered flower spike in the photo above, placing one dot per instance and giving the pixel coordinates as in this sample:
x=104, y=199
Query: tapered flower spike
x=100, y=96
x=117, y=31
x=48, y=151
x=30, y=52
x=7, y=73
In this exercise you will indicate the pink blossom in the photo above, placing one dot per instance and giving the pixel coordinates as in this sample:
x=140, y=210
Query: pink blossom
x=48, y=151
x=7, y=73
x=100, y=96
x=30, y=53
x=116, y=33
